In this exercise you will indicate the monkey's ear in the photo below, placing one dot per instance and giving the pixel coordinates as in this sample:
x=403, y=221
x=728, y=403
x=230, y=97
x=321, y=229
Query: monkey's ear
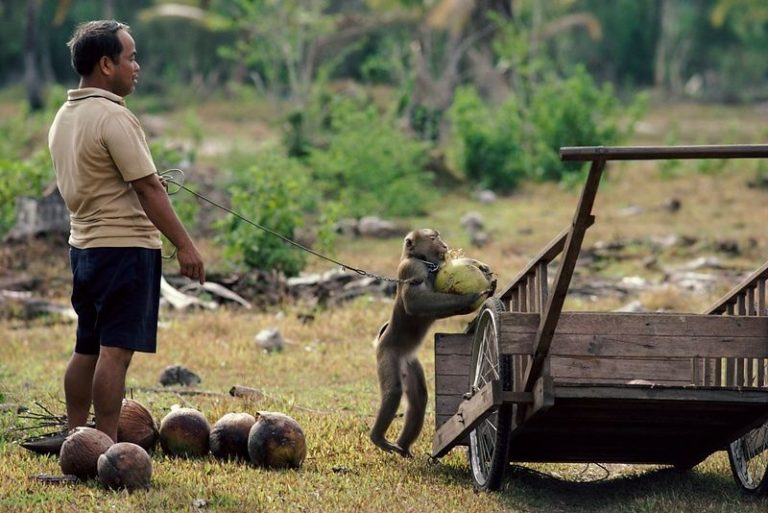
x=408, y=242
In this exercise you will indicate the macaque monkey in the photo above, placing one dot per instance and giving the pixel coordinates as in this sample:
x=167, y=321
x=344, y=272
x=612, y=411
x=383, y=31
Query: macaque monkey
x=416, y=307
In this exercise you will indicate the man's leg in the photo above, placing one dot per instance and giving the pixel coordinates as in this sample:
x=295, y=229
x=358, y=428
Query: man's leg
x=109, y=387
x=78, y=383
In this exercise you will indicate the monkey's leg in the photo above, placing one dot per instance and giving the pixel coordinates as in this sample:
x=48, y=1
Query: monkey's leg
x=388, y=366
x=415, y=386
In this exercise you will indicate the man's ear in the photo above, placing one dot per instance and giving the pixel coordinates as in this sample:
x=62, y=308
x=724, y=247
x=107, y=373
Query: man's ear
x=105, y=65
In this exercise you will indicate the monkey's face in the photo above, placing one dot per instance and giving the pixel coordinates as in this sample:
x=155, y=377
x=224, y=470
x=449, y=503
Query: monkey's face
x=426, y=244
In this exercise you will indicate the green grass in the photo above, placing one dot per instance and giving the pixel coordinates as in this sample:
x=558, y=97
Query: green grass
x=326, y=379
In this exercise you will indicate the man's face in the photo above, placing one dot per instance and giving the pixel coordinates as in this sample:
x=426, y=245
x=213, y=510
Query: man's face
x=125, y=72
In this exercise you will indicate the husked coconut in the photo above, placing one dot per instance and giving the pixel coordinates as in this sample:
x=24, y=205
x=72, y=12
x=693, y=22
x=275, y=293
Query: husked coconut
x=276, y=441
x=185, y=432
x=125, y=465
x=136, y=425
x=229, y=436
x=462, y=276
x=81, y=450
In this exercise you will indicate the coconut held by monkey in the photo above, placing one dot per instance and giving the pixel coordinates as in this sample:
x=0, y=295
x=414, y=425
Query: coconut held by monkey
x=229, y=436
x=185, y=432
x=125, y=465
x=136, y=425
x=276, y=441
x=464, y=276
x=81, y=450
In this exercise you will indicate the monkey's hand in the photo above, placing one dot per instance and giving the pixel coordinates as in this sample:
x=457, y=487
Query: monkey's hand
x=492, y=288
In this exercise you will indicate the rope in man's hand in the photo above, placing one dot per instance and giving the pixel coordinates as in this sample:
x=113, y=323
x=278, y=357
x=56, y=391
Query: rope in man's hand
x=173, y=181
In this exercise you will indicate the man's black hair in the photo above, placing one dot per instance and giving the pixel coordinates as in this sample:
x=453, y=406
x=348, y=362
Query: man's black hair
x=93, y=40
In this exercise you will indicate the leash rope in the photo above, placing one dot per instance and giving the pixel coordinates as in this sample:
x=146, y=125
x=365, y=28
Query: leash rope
x=169, y=177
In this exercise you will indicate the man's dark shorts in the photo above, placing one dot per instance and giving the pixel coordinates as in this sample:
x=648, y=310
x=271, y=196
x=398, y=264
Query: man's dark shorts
x=116, y=294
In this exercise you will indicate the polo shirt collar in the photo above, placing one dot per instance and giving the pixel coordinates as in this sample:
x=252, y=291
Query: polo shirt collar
x=90, y=92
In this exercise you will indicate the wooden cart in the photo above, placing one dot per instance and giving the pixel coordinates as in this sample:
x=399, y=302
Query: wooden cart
x=527, y=382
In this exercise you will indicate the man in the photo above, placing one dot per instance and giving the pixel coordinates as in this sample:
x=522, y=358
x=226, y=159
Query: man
x=118, y=207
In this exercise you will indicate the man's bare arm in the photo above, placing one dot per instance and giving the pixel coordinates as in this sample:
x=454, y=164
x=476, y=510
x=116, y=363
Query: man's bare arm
x=159, y=210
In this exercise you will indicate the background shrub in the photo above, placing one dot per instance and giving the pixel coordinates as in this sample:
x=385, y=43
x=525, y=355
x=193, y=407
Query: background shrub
x=370, y=166
x=274, y=192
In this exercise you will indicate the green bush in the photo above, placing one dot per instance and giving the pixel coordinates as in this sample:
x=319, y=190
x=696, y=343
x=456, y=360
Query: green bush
x=571, y=112
x=489, y=150
x=522, y=137
x=27, y=177
x=274, y=192
x=370, y=166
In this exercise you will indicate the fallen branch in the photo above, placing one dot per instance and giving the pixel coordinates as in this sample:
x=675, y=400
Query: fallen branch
x=50, y=479
x=176, y=391
x=260, y=395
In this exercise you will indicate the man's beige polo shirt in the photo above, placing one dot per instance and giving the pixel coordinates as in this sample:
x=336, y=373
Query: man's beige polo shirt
x=98, y=148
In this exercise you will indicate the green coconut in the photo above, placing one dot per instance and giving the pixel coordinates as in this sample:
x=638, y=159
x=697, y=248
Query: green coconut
x=80, y=451
x=185, y=432
x=462, y=276
x=276, y=441
x=229, y=436
x=126, y=466
x=136, y=425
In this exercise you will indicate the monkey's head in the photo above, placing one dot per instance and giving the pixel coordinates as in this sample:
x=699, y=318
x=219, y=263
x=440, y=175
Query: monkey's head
x=425, y=244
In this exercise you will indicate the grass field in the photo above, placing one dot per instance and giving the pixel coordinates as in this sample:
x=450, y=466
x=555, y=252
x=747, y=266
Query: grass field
x=325, y=378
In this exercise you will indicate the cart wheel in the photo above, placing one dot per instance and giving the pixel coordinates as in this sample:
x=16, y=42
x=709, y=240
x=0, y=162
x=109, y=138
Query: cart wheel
x=489, y=441
x=748, y=456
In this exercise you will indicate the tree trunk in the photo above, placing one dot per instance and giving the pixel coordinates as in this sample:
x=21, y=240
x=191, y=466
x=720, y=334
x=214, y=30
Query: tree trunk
x=32, y=75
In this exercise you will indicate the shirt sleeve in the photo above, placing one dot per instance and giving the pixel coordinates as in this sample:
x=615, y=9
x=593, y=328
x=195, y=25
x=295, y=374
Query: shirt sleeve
x=127, y=144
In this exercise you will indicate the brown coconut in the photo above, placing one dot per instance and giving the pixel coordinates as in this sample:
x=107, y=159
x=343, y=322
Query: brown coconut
x=276, y=441
x=81, y=450
x=137, y=426
x=125, y=465
x=229, y=436
x=185, y=432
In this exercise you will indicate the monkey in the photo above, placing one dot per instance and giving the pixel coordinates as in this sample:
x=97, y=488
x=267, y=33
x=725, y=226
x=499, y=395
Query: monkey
x=417, y=305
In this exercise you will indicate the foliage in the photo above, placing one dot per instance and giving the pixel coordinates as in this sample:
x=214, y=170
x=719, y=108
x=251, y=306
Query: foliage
x=370, y=166
x=273, y=192
x=489, y=150
x=573, y=112
x=521, y=139
x=25, y=163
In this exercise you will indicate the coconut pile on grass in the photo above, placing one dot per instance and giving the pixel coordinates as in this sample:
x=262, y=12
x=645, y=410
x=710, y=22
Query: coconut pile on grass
x=270, y=440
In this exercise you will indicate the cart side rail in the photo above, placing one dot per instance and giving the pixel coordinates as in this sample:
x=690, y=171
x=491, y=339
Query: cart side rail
x=616, y=348
x=747, y=299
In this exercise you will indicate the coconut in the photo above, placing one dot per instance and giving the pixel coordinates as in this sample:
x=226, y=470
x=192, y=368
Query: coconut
x=229, y=436
x=184, y=432
x=276, y=441
x=81, y=450
x=125, y=465
x=462, y=276
x=136, y=425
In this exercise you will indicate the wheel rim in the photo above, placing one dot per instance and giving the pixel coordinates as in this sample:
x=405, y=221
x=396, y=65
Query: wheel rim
x=485, y=368
x=749, y=457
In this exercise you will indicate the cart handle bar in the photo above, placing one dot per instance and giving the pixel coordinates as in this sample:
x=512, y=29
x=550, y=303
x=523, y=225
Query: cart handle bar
x=725, y=151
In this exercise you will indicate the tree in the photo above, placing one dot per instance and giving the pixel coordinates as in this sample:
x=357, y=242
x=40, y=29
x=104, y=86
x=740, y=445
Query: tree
x=32, y=74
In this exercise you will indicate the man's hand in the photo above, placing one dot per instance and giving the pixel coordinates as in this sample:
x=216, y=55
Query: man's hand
x=191, y=263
